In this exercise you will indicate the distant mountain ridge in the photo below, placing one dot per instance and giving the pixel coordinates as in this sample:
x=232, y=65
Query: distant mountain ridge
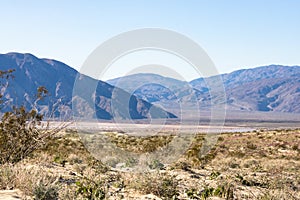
x=243, y=76
x=266, y=88
x=32, y=72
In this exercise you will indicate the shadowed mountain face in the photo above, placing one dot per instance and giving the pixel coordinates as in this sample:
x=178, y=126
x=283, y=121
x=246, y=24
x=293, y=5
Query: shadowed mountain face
x=91, y=98
x=269, y=88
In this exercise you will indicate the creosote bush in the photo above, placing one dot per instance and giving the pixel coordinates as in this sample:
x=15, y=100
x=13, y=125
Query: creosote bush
x=20, y=133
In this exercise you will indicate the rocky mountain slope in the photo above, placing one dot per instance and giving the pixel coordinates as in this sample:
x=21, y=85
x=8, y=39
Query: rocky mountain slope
x=32, y=72
x=267, y=88
x=163, y=91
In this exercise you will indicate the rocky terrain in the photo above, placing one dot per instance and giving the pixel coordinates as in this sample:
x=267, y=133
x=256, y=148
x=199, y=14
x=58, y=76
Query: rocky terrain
x=239, y=166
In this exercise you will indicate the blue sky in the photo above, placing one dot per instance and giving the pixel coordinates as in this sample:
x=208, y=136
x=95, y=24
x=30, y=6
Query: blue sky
x=235, y=34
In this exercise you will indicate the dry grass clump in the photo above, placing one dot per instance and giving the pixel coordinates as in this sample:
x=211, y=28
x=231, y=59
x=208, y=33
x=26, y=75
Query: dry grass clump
x=29, y=179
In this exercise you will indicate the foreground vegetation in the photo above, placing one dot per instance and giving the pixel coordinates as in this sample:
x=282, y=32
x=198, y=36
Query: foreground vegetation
x=262, y=164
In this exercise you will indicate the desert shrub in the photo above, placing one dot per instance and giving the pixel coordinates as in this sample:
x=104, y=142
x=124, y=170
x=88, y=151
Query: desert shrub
x=59, y=160
x=224, y=191
x=207, y=192
x=156, y=164
x=45, y=192
x=131, y=162
x=90, y=189
x=192, y=193
x=20, y=134
x=248, y=182
x=7, y=177
x=233, y=164
x=251, y=146
x=237, y=154
x=214, y=175
x=161, y=185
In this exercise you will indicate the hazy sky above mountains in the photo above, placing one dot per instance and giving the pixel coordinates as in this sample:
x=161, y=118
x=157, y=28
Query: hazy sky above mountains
x=235, y=34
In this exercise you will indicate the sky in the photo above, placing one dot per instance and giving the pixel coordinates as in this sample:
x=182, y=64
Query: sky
x=234, y=34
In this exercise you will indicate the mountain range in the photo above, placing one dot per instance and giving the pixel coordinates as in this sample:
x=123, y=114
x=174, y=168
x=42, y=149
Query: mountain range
x=59, y=79
x=272, y=88
x=267, y=88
